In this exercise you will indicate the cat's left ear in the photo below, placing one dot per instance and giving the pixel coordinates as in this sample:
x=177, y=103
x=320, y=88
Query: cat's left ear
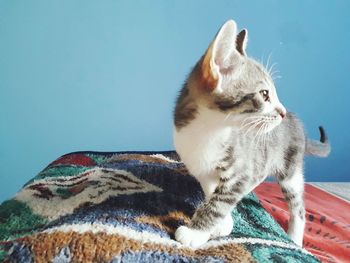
x=241, y=42
x=219, y=57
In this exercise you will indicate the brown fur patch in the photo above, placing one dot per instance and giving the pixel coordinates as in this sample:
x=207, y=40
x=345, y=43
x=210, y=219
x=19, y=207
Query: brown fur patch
x=167, y=222
x=208, y=79
x=101, y=247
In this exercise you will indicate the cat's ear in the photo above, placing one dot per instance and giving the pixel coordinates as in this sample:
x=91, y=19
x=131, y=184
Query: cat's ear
x=219, y=56
x=241, y=41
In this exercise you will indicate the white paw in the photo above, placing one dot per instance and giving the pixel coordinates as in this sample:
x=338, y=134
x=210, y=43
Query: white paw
x=191, y=237
x=224, y=228
x=296, y=230
x=296, y=237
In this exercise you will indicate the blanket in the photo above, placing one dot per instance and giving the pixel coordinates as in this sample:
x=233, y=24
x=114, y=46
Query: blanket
x=125, y=207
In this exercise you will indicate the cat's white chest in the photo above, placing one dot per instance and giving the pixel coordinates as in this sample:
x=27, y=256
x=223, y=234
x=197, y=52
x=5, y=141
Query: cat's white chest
x=201, y=144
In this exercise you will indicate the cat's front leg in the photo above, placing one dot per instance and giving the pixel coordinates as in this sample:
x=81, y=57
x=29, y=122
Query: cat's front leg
x=223, y=228
x=214, y=210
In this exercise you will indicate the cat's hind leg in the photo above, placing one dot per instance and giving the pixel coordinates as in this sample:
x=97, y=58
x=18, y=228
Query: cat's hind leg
x=292, y=186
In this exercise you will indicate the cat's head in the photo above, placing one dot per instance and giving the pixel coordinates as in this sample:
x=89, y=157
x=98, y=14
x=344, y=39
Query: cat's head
x=229, y=82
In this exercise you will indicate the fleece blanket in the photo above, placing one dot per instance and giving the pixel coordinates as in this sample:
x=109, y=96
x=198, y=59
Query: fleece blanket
x=125, y=207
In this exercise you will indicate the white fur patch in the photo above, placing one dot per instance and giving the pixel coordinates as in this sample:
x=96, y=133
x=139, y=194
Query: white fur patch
x=200, y=143
x=191, y=237
x=296, y=230
x=224, y=228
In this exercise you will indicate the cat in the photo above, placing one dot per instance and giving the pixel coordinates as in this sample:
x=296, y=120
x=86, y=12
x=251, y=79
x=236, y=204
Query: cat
x=231, y=132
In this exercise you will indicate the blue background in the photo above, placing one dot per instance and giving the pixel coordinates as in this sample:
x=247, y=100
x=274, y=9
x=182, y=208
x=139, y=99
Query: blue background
x=103, y=75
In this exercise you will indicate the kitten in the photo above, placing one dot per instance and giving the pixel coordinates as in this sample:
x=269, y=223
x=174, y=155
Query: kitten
x=231, y=132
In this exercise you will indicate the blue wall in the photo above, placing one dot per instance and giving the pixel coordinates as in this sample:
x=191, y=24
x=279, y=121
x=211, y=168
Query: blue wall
x=103, y=75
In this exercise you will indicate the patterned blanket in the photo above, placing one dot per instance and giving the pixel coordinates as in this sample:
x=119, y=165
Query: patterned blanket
x=125, y=207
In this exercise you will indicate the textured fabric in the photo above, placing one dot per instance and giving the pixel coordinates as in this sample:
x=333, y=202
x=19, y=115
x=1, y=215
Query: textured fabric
x=125, y=207
x=327, y=230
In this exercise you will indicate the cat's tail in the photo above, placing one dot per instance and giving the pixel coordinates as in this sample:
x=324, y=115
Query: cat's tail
x=318, y=148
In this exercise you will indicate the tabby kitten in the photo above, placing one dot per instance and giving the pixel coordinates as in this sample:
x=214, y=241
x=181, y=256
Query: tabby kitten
x=231, y=132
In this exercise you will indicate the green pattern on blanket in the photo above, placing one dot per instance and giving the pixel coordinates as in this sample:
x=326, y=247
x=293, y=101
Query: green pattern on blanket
x=277, y=254
x=59, y=171
x=261, y=225
x=17, y=220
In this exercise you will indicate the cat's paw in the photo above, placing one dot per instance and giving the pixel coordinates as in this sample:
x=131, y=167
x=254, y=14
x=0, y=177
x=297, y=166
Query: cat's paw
x=224, y=228
x=296, y=230
x=297, y=237
x=191, y=237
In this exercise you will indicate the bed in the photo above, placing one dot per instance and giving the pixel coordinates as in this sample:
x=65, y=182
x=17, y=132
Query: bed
x=125, y=207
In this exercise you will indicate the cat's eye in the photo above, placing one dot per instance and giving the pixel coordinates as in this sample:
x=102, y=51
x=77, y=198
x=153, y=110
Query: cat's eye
x=265, y=94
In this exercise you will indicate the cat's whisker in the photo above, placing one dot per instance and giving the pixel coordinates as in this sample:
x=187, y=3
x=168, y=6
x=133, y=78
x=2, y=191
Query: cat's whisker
x=276, y=77
x=265, y=138
x=249, y=125
x=253, y=126
x=245, y=122
x=274, y=72
x=252, y=117
x=264, y=132
x=227, y=116
x=258, y=134
x=268, y=60
x=266, y=135
x=262, y=59
x=271, y=68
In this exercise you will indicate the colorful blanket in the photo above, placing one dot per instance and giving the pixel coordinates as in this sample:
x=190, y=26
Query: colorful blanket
x=125, y=207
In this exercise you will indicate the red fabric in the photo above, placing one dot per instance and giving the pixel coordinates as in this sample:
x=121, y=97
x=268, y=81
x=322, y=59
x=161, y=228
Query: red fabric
x=74, y=159
x=327, y=230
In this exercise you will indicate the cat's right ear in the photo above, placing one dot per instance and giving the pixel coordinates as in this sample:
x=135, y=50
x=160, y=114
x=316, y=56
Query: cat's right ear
x=219, y=56
x=241, y=41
